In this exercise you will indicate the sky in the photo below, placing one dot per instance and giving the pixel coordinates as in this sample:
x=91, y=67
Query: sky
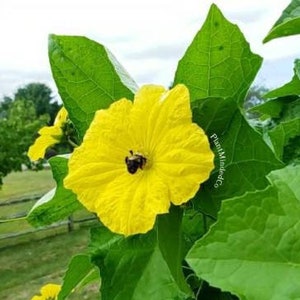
x=148, y=37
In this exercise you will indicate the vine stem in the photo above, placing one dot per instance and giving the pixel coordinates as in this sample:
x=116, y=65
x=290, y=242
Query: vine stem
x=74, y=145
x=12, y=220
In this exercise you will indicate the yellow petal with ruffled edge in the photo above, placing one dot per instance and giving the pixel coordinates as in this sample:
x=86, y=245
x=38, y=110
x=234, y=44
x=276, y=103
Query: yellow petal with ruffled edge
x=179, y=149
x=48, y=292
x=49, y=135
x=157, y=125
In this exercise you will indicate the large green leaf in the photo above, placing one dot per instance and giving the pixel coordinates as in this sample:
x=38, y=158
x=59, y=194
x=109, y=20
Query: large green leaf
x=79, y=269
x=242, y=160
x=219, y=67
x=146, y=266
x=253, y=249
x=88, y=77
x=59, y=203
x=219, y=62
x=287, y=24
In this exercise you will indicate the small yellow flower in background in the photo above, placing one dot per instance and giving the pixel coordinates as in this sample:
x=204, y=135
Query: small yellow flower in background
x=49, y=135
x=139, y=157
x=48, y=292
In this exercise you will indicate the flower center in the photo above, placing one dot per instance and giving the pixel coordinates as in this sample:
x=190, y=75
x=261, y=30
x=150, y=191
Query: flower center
x=135, y=161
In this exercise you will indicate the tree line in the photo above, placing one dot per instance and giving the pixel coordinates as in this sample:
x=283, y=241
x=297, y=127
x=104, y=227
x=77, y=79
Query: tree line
x=21, y=116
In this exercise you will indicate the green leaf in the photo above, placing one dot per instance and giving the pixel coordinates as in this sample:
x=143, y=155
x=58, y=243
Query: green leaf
x=59, y=203
x=79, y=269
x=281, y=97
x=287, y=24
x=216, y=94
x=282, y=133
x=289, y=89
x=194, y=225
x=214, y=115
x=146, y=266
x=242, y=160
x=218, y=63
x=253, y=249
x=269, y=109
x=170, y=243
x=88, y=77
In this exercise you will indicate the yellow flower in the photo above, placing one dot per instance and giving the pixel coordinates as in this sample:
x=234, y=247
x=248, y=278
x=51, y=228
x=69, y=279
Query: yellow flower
x=49, y=135
x=139, y=157
x=48, y=292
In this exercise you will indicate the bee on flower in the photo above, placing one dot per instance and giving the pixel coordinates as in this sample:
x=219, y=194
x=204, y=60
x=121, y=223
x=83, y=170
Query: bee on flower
x=137, y=158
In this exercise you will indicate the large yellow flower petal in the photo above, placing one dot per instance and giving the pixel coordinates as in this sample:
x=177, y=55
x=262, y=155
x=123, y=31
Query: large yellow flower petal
x=179, y=150
x=185, y=166
x=130, y=204
x=170, y=157
x=101, y=156
x=157, y=110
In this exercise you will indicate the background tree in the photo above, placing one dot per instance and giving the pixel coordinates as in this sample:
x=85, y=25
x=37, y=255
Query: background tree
x=254, y=97
x=41, y=96
x=21, y=117
x=5, y=106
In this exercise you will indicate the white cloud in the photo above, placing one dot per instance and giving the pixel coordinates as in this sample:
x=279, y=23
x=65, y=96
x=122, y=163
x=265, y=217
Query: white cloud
x=148, y=37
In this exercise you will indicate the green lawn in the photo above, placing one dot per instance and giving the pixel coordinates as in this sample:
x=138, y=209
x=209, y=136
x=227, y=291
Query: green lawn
x=19, y=185
x=27, y=267
x=27, y=183
x=39, y=257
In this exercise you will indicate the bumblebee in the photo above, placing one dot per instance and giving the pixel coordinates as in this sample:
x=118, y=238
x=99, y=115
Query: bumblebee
x=134, y=162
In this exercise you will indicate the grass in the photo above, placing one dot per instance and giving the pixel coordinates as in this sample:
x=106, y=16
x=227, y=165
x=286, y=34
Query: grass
x=21, y=185
x=29, y=261
x=25, y=184
x=27, y=267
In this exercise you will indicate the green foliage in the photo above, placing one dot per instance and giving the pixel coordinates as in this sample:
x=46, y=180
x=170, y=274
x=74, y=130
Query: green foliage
x=40, y=95
x=142, y=266
x=219, y=62
x=20, y=119
x=253, y=248
x=59, y=203
x=287, y=24
x=88, y=77
x=283, y=111
x=254, y=97
x=255, y=209
x=80, y=272
x=17, y=131
x=217, y=110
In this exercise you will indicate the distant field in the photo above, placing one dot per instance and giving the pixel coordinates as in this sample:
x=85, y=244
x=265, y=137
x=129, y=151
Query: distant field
x=21, y=185
x=26, y=183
